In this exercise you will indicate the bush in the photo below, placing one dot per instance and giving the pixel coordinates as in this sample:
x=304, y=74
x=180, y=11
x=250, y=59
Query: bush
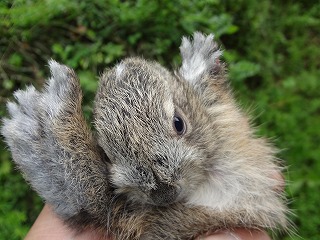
x=271, y=49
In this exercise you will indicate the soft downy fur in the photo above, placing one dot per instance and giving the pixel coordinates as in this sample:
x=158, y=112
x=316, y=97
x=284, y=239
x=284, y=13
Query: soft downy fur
x=173, y=155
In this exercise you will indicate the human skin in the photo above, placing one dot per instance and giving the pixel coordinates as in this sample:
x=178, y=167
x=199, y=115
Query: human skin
x=49, y=227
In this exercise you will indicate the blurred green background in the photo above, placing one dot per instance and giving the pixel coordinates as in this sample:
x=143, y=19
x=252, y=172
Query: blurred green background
x=272, y=49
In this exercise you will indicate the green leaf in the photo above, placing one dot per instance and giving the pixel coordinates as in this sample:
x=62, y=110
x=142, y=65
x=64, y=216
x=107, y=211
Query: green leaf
x=242, y=70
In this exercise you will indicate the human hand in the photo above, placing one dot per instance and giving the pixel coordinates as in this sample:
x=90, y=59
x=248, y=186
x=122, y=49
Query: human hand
x=49, y=227
x=237, y=234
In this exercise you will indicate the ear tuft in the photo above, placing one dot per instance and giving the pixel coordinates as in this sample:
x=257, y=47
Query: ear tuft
x=199, y=56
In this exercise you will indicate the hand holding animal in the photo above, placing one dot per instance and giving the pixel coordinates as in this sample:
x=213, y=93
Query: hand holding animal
x=172, y=155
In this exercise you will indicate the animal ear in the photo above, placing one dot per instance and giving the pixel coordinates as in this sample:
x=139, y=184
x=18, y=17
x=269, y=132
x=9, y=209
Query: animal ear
x=200, y=58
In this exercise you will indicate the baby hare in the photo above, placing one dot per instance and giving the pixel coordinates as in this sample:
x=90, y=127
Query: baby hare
x=172, y=156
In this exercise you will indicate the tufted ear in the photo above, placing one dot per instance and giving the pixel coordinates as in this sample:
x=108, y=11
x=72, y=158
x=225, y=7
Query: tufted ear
x=200, y=58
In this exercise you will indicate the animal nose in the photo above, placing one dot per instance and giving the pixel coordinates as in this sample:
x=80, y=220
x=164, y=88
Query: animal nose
x=164, y=194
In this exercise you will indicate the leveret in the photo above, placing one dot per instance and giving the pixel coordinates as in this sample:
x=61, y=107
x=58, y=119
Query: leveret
x=172, y=156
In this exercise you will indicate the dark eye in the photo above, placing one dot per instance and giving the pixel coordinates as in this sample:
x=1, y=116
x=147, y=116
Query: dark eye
x=178, y=125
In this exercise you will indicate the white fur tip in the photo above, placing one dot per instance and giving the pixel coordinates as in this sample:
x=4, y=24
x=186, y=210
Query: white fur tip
x=119, y=69
x=199, y=56
x=57, y=69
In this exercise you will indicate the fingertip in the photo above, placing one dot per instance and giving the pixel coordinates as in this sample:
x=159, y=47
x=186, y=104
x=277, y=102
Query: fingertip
x=251, y=234
x=237, y=234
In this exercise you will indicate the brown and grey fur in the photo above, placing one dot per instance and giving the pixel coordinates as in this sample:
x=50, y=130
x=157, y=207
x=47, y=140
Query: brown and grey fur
x=136, y=178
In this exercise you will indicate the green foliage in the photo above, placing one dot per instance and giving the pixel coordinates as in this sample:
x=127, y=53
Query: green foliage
x=272, y=49
x=16, y=202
